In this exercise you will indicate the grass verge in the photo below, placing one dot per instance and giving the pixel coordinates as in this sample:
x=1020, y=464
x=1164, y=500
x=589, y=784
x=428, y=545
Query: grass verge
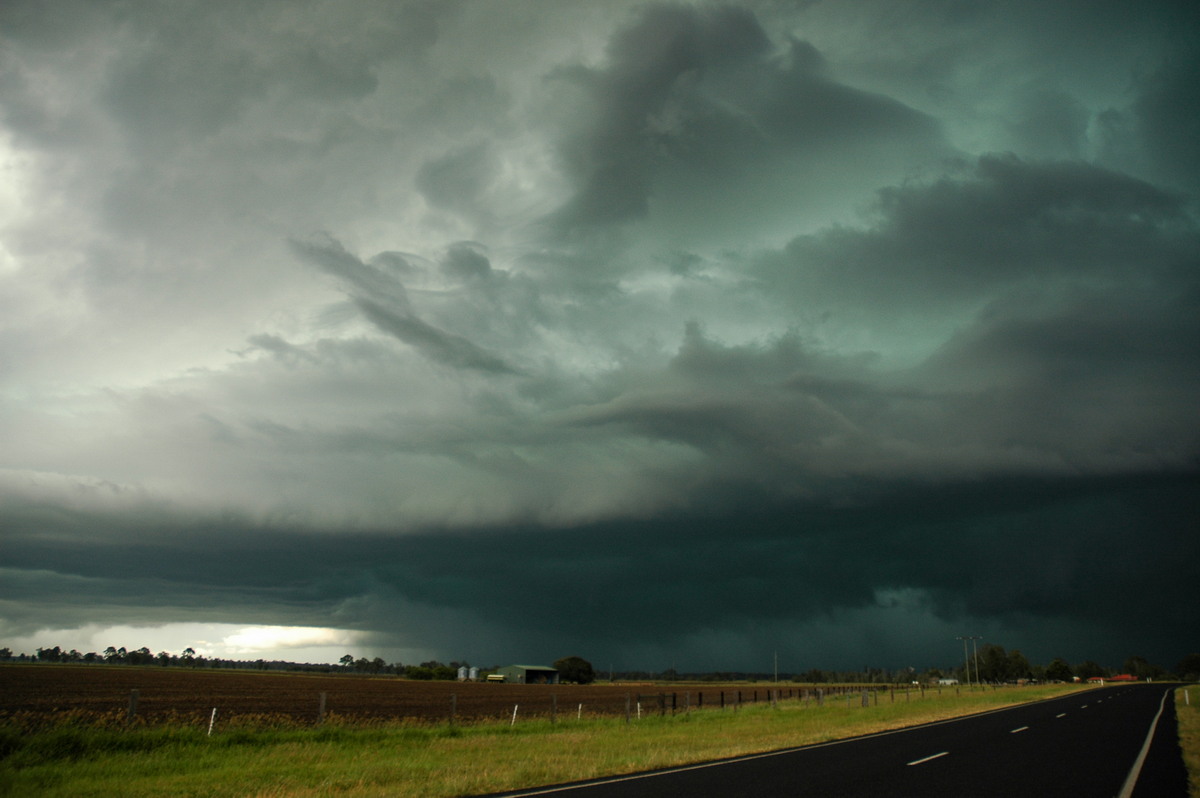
x=1187, y=710
x=405, y=760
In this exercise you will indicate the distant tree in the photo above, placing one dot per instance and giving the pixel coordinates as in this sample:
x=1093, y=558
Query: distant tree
x=50, y=654
x=813, y=676
x=189, y=656
x=575, y=670
x=1059, y=670
x=1189, y=668
x=1088, y=669
x=377, y=665
x=347, y=660
x=1018, y=667
x=6, y=653
x=1139, y=667
x=993, y=663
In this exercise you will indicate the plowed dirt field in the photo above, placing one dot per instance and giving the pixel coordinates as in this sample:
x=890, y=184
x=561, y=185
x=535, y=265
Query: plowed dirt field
x=169, y=693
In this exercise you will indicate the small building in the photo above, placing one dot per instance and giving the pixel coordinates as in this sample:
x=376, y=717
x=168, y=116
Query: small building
x=529, y=674
x=947, y=682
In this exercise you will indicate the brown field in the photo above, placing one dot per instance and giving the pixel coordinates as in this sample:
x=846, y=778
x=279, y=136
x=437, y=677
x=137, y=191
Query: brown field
x=31, y=692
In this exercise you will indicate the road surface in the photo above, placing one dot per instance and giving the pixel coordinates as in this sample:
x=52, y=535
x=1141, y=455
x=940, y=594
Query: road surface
x=1113, y=742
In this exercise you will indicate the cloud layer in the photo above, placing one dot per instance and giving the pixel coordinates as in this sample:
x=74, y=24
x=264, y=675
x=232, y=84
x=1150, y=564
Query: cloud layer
x=658, y=333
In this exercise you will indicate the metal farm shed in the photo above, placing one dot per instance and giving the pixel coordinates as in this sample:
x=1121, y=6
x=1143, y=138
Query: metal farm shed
x=529, y=674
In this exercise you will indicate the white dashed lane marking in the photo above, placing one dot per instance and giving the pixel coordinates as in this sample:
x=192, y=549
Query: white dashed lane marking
x=926, y=759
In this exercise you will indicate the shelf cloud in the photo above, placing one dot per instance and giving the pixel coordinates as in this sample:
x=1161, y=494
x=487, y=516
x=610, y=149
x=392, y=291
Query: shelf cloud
x=665, y=334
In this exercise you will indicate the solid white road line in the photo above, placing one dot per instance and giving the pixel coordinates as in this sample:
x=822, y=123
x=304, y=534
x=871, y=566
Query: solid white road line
x=1061, y=715
x=926, y=759
x=1021, y=729
x=1136, y=770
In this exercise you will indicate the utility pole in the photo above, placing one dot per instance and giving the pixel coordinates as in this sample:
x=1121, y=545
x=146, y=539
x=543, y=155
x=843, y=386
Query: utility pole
x=976, y=650
x=966, y=659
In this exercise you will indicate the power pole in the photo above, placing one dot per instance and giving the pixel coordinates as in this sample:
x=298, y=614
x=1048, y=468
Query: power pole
x=966, y=659
x=976, y=650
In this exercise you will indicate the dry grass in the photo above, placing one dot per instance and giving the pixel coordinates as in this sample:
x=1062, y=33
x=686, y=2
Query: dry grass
x=1187, y=708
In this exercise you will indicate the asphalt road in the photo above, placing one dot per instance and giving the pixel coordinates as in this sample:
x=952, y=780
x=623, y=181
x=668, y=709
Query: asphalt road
x=1081, y=745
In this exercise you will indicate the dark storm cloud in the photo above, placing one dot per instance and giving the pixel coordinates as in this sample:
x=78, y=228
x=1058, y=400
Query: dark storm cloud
x=453, y=350
x=456, y=179
x=1028, y=553
x=696, y=97
x=694, y=331
x=1167, y=116
x=1004, y=221
x=384, y=302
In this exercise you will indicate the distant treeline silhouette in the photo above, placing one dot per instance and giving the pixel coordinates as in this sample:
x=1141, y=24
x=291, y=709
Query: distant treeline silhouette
x=991, y=665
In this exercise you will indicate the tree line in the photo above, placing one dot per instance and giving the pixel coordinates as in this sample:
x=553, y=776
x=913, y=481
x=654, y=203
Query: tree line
x=571, y=669
x=991, y=664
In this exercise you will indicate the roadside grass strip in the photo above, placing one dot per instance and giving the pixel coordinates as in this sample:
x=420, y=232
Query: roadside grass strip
x=1187, y=710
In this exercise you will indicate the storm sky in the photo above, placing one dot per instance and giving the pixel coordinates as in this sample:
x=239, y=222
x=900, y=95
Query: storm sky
x=665, y=335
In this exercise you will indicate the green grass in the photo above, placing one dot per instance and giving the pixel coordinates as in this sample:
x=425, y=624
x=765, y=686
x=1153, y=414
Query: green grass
x=1187, y=709
x=410, y=760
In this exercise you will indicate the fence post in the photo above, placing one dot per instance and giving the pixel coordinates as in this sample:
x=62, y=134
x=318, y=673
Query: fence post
x=453, y=707
x=627, y=699
x=321, y=709
x=554, y=708
x=132, y=710
x=212, y=719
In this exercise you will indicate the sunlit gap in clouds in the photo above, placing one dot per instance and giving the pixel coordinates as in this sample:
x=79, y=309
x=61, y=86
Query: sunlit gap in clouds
x=211, y=640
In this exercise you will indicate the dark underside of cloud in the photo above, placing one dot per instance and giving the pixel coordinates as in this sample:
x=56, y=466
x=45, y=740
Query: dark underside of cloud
x=1108, y=558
